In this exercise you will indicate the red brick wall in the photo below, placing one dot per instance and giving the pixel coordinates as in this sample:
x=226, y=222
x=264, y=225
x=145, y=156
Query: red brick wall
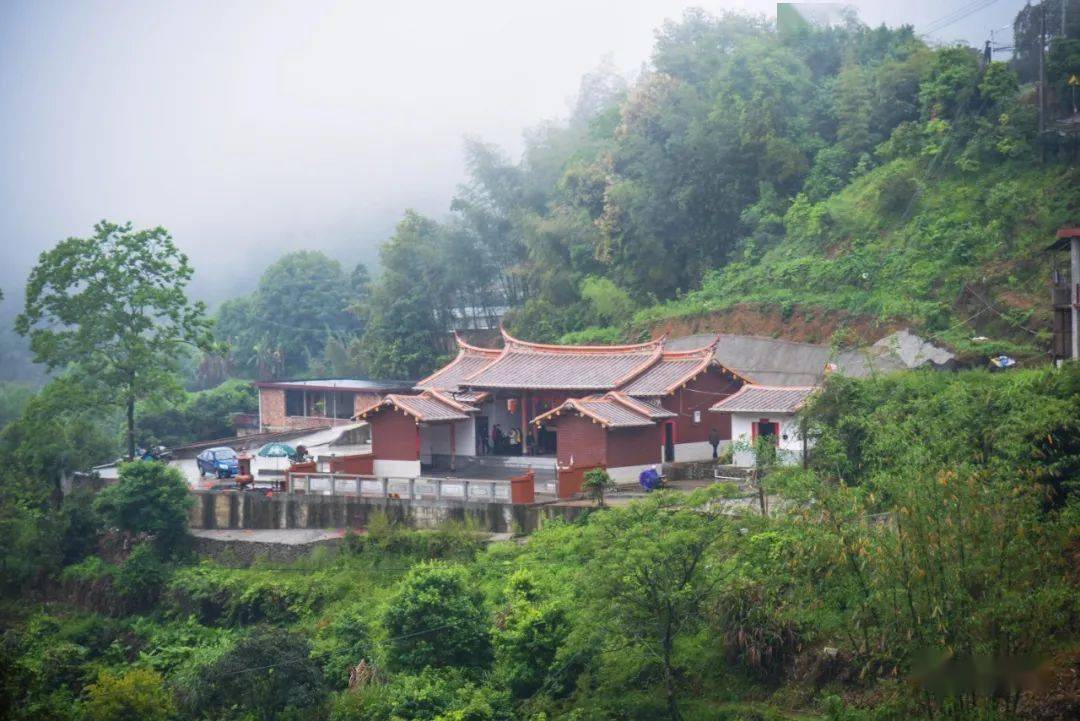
x=273, y=416
x=360, y=464
x=581, y=438
x=701, y=393
x=634, y=446
x=394, y=436
x=271, y=408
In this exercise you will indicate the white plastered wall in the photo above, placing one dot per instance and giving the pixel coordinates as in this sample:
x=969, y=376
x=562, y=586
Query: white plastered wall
x=435, y=439
x=789, y=449
x=699, y=451
x=628, y=474
x=396, y=469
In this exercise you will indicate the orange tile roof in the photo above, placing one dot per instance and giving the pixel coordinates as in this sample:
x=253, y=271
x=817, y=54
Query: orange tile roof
x=611, y=410
x=427, y=407
x=765, y=399
x=522, y=364
x=672, y=370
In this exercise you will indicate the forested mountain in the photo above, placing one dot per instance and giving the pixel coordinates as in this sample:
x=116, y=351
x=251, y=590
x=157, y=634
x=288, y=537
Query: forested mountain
x=923, y=562
x=822, y=178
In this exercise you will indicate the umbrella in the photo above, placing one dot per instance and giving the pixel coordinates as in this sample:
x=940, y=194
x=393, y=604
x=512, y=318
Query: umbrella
x=277, y=450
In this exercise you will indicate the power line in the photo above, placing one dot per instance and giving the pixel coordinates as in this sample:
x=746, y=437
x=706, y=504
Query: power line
x=956, y=16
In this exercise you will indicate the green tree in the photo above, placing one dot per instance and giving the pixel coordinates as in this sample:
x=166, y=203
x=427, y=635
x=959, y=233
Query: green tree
x=59, y=432
x=137, y=694
x=596, y=482
x=533, y=627
x=201, y=416
x=13, y=399
x=437, y=619
x=149, y=498
x=112, y=308
x=267, y=674
x=658, y=572
x=410, y=303
x=303, y=298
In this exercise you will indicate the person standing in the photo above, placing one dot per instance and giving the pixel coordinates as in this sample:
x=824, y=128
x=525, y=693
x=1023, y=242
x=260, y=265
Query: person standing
x=714, y=441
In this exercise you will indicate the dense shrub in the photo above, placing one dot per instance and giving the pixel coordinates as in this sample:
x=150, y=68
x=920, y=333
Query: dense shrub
x=141, y=578
x=219, y=595
x=528, y=636
x=268, y=674
x=431, y=695
x=437, y=618
x=343, y=642
x=138, y=694
x=149, y=498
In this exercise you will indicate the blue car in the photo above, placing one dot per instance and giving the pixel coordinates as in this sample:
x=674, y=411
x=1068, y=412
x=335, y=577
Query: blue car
x=220, y=462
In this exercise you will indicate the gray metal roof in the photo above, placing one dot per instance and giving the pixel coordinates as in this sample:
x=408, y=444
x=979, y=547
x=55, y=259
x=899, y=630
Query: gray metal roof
x=341, y=384
x=778, y=362
x=764, y=399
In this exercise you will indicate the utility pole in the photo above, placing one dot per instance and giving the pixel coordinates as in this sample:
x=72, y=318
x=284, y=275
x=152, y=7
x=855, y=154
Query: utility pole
x=1042, y=83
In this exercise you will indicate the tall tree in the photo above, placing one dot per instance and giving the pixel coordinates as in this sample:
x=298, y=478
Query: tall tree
x=303, y=298
x=662, y=565
x=410, y=302
x=112, y=307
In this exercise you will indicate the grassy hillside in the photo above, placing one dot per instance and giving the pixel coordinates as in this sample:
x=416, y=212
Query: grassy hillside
x=963, y=255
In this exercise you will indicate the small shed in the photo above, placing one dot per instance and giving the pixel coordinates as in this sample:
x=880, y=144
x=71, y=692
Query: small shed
x=611, y=430
x=407, y=430
x=765, y=411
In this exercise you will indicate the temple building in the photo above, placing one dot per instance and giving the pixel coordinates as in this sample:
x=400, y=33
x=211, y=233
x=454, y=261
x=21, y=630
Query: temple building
x=565, y=408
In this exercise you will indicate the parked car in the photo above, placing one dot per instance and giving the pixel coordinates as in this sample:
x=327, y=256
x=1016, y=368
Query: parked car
x=221, y=462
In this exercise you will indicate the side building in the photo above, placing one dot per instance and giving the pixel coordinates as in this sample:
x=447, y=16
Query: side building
x=295, y=405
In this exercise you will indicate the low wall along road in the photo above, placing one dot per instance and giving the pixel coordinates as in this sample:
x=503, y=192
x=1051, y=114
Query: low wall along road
x=256, y=510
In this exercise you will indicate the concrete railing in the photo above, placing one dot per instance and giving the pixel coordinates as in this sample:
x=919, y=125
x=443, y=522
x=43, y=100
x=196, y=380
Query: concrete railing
x=345, y=484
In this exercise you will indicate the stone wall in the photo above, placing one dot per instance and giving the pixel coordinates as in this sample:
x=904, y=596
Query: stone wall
x=255, y=510
x=244, y=553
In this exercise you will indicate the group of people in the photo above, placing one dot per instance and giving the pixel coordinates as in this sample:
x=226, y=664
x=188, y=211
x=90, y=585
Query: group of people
x=509, y=443
x=505, y=443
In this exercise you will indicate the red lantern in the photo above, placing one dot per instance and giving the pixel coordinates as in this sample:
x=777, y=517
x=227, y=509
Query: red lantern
x=511, y=405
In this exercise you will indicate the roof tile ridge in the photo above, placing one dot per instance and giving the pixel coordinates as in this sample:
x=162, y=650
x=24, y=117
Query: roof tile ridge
x=503, y=352
x=710, y=348
x=452, y=402
x=556, y=347
x=632, y=403
x=640, y=369
x=371, y=406
x=574, y=403
x=430, y=378
x=466, y=347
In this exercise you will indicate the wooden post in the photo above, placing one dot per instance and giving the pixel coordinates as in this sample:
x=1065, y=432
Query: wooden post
x=524, y=424
x=385, y=487
x=412, y=488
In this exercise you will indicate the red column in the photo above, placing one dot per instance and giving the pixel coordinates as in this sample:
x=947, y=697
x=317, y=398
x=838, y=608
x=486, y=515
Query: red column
x=453, y=444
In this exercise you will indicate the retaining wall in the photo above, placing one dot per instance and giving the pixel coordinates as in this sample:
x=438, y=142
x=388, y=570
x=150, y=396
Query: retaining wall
x=253, y=510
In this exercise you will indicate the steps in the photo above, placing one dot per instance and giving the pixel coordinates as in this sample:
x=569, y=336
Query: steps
x=513, y=463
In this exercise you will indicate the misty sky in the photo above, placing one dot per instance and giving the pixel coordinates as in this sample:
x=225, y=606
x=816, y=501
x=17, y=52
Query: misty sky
x=252, y=128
